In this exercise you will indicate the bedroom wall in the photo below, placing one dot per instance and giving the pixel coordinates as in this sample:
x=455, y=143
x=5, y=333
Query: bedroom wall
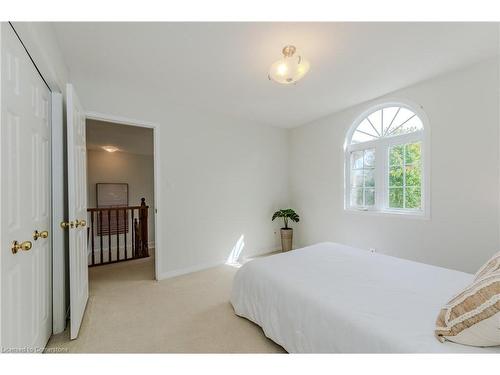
x=463, y=231
x=41, y=42
x=123, y=167
x=219, y=178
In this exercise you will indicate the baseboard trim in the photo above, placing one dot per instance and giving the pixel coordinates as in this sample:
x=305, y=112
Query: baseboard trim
x=183, y=271
x=201, y=267
x=259, y=254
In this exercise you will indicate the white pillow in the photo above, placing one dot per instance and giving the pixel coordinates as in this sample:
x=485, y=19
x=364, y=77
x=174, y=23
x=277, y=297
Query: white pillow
x=473, y=316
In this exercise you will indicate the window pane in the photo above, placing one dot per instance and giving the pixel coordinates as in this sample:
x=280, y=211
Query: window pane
x=357, y=160
x=369, y=178
x=412, y=125
x=357, y=197
x=413, y=198
x=396, y=155
x=359, y=137
x=413, y=175
x=405, y=176
x=412, y=153
x=369, y=197
x=362, y=175
x=399, y=125
x=396, y=197
x=357, y=178
x=369, y=157
x=396, y=176
x=376, y=120
x=389, y=117
x=367, y=128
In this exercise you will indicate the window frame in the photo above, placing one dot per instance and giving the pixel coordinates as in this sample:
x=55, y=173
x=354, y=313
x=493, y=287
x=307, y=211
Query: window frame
x=382, y=147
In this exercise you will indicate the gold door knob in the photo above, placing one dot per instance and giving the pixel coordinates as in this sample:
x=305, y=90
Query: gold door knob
x=37, y=234
x=67, y=224
x=25, y=246
x=79, y=223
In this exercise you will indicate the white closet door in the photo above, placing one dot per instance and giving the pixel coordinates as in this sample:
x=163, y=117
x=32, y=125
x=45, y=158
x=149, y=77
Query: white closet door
x=26, y=285
x=77, y=209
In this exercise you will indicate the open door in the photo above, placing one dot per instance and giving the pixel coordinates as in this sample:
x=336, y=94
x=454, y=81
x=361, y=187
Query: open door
x=77, y=210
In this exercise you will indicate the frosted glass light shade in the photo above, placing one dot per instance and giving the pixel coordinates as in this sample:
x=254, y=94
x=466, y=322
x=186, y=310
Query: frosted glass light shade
x=289, y=69
x=110, y=148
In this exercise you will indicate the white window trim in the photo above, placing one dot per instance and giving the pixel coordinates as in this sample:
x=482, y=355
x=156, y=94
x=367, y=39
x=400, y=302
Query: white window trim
x=381, y=147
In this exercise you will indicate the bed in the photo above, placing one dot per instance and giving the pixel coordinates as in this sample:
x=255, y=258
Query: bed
x=332, y=298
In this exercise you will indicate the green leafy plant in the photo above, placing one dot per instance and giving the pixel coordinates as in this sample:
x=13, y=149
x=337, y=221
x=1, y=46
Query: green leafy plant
x=286, y=214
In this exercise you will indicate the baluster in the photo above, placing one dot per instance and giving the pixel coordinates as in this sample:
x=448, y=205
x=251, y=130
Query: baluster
x=144, y=228
x=133, y=233
x=88, y=243
x=139, y=228
x=137, y=237
x=109, y=235
x=117, y=221
x=125, y=223
x=101, y=236
x=92, y=235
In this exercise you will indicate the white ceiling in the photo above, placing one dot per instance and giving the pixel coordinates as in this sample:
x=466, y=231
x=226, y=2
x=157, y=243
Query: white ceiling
x=131, y=139
x=222, y=67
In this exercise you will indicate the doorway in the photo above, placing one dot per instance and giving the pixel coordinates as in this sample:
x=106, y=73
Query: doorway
x=82, y=265
x=120, y=197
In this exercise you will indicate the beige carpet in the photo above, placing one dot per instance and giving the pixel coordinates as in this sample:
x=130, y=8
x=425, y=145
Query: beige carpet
x=128, y=312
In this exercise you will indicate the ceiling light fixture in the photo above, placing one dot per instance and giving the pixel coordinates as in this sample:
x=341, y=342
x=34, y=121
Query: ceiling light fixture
x=289, y=69
x=110, y=148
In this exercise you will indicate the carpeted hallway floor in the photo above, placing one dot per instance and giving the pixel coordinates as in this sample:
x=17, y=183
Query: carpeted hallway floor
x=129, y=312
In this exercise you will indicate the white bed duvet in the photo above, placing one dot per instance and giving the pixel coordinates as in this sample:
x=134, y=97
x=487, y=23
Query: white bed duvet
x=331, y=298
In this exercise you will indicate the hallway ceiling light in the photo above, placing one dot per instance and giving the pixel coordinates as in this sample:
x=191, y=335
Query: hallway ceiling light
x=110, y=148
x=290, y=68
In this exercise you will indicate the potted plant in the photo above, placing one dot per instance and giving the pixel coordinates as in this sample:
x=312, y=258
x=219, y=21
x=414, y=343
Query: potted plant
x=286, y=232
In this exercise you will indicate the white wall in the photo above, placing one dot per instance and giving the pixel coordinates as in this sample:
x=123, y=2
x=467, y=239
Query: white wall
x=40, y=40
x=219, y=178
x=463, y=231
x=122, y=167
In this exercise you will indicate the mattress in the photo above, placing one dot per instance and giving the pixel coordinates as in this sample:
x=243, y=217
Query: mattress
x=332, y=298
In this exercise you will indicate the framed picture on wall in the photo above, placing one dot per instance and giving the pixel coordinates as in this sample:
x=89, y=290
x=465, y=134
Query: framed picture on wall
x=112, y=195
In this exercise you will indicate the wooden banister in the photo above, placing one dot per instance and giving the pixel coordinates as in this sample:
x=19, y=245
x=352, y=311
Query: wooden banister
x=115, y=222
x=105, y=209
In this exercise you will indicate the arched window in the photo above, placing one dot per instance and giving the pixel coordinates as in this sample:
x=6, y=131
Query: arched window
x=385, y=169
